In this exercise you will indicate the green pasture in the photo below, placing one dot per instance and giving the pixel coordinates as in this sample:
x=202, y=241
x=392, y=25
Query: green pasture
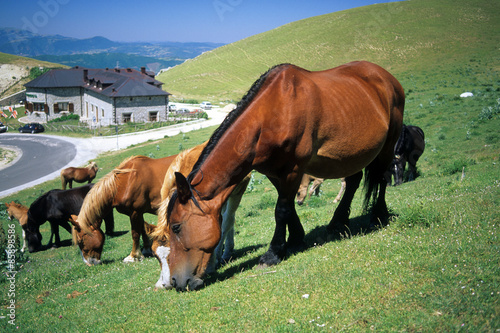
x=434, y=268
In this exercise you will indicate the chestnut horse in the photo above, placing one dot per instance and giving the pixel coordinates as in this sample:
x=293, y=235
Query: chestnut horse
x=330, y=124
x=20, y=213
x=133, y=188
x=89, y=237
x=79, y=175
x=161, y=246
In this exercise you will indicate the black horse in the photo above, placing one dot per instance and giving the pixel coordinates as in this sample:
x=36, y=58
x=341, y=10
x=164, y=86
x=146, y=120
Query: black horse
x=56, y=206
x=409, y=148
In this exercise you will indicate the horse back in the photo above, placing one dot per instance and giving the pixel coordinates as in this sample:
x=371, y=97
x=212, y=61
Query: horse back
x=339, y=117
x=141, y=187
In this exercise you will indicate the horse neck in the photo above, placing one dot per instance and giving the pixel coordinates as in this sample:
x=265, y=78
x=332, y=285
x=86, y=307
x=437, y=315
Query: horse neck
x=228, y=163
x=98, y=201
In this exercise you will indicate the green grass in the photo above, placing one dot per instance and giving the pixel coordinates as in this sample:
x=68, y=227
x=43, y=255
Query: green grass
x=435, y=268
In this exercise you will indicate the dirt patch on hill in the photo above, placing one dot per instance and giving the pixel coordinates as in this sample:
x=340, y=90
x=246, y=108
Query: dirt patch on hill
x=11, y=74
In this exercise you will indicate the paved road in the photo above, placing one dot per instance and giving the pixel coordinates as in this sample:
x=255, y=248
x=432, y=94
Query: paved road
x=41, y=156
x=53, y=153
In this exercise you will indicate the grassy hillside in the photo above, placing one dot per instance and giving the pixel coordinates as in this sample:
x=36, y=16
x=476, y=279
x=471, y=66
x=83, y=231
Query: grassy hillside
x=13, y=79
x=435, y=268
x=402, y=37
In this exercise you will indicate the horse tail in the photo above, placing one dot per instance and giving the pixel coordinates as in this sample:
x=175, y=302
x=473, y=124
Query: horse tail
x=374, y=175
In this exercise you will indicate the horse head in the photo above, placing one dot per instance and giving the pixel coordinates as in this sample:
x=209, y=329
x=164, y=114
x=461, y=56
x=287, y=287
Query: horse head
x=194, y=233
x=90, y=242
x=398, y=168
x=33, y=235
x=161, y=249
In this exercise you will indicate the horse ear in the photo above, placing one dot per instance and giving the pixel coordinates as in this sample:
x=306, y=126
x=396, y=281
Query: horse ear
x=183, y=188
x=74, y=222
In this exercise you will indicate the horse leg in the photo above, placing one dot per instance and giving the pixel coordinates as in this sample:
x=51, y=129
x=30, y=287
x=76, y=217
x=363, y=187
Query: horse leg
x=285, y=215
x=25, y=243
x=380, y=213
x=146, y=241
x=109, y=221
x=54, y=228
x=341, y=192
x=70, y=183
x=340, y=220
x=136, y=226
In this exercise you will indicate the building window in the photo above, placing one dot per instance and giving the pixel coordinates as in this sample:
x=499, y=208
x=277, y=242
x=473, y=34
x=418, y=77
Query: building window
x=39, y=107
x=126, y=117
x=153, y=116
x=102, y=113
x=62, y=106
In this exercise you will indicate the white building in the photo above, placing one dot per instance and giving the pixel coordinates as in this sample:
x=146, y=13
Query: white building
x=98, y=96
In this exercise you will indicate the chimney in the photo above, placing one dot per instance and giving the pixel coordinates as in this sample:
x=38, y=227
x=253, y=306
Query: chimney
x=85, y=75
x=143, y=70
x=117, y=70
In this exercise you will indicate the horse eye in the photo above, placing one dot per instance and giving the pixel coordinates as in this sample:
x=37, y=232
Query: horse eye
x=176, y=228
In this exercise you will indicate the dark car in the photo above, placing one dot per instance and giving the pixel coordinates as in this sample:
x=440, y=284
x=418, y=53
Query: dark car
x=3, y=128
x=31, y=128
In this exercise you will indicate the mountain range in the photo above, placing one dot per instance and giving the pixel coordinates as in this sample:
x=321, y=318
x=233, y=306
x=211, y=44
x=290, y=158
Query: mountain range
x=98, y=51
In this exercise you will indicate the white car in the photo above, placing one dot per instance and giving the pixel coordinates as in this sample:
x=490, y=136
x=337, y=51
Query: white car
x=206, y=105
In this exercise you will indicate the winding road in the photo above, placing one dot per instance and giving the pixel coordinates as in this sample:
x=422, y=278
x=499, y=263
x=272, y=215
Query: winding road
x=41, y=156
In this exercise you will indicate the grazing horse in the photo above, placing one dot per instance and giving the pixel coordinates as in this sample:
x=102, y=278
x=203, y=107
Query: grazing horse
x=133, y=188
x=20, y=213
x=314, y=189
x=79, y=175
x=161, y=246
x=57, y=206
x=88, y=235
x=330, y=124
x=409, y=148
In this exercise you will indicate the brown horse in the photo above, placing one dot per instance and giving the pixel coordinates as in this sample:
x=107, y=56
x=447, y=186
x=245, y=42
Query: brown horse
x=161, y=247
x=79, y=175
x=20, y=213
x=330, y=124
x=133, y=188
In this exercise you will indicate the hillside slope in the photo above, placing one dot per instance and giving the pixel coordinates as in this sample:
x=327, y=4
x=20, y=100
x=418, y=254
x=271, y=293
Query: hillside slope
x=15, y=70
x=400, y=36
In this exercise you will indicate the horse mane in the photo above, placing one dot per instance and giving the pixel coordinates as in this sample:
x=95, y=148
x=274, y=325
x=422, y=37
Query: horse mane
x=167, y=191
x=233, y=116
x=100, y=197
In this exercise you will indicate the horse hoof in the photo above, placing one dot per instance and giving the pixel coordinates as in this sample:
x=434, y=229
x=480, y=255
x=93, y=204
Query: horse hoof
x=269, y=259
x=130, y=259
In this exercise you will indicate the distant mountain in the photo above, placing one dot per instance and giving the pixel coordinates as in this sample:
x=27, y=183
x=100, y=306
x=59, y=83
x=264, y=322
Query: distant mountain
x=111, y=60
x=24, y=43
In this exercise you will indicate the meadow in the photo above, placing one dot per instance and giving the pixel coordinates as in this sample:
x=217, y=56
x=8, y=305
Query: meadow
x=434, y=268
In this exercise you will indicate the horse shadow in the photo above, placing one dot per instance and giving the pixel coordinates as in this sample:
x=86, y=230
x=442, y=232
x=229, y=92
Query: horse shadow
x=358, y=226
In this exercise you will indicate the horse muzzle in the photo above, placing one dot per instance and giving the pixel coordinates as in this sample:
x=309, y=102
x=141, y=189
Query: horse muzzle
x=186, y=283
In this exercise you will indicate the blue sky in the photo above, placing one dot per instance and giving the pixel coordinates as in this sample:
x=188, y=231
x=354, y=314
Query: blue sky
x=223, y=21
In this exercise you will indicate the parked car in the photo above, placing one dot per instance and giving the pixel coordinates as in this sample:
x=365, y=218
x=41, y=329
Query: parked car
x=183, y=110
x=206, y=105
x=172, y=107
x=3, y=128
x=32, y=128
